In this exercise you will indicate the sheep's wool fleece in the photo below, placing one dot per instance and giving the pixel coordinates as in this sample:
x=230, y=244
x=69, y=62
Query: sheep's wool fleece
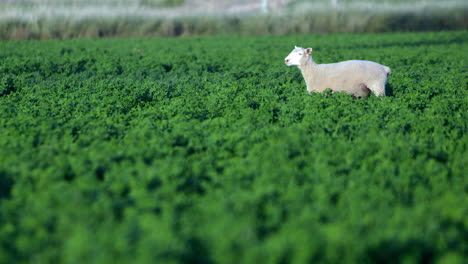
x=348, y=76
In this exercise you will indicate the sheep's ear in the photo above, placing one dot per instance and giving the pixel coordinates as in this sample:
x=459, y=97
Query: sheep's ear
x=309, y=50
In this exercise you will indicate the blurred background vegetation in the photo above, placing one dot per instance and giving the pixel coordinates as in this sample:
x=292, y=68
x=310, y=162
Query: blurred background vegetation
x=46, y=19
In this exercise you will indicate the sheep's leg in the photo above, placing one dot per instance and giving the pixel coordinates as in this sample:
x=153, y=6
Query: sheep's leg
x=362, y=91
x=378, y=87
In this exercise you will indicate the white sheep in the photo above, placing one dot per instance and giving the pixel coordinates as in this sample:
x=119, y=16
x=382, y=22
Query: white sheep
x=355, y=77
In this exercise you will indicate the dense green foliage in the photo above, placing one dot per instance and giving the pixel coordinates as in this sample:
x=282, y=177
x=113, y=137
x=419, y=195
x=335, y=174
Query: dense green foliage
x=210, y=150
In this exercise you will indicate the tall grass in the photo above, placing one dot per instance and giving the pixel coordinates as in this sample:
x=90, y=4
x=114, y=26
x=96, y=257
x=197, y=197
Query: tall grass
x=134, y=20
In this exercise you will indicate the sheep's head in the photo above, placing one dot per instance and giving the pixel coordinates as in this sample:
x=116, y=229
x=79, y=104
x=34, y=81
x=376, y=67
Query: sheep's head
x=298, y=56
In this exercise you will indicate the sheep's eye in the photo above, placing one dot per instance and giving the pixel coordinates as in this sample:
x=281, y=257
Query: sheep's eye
x=300, y=54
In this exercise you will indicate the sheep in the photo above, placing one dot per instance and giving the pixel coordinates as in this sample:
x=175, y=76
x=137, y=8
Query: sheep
x=355, y=77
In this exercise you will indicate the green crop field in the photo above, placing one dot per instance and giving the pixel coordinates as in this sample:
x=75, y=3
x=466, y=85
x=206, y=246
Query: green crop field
x=210, y=150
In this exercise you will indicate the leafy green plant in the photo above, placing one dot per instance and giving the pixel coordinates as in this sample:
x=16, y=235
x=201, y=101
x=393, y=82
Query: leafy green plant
x=210, y=150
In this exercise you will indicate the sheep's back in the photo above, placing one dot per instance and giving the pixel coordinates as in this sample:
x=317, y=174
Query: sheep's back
x=358, y=70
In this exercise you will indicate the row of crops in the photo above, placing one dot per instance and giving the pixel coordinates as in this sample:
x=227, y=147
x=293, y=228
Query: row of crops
x=210, y=150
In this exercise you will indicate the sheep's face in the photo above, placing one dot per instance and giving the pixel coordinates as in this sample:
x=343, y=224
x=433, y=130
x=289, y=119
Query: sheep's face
x=298, y=56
